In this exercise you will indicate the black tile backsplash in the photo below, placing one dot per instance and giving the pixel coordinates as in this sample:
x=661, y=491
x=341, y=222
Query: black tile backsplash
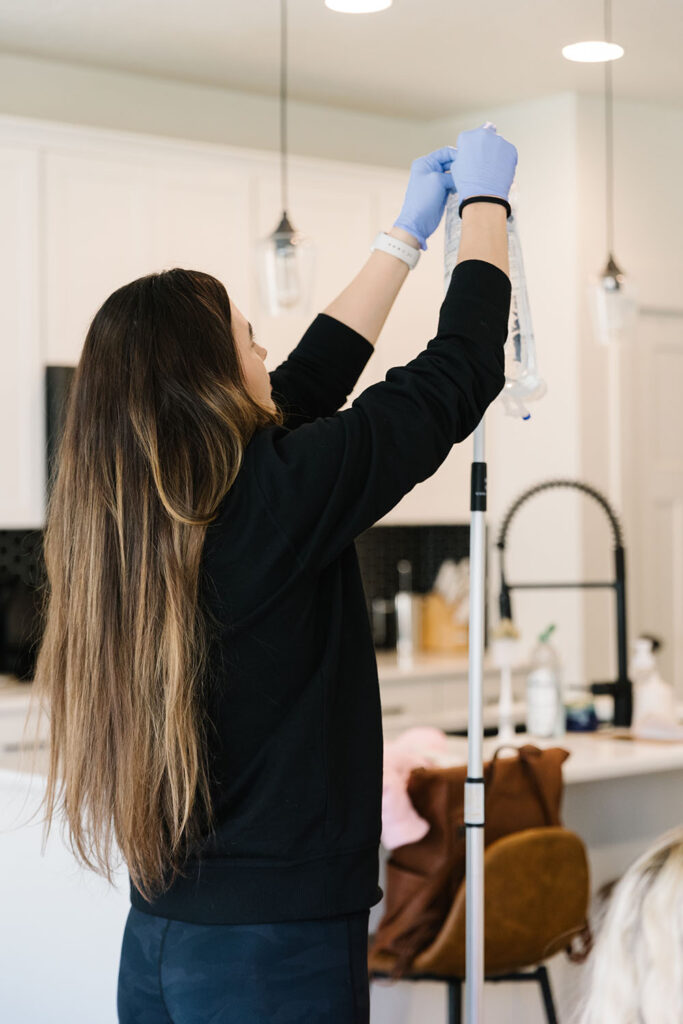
x=381, y=547
x=22, y=570
x=379, y=550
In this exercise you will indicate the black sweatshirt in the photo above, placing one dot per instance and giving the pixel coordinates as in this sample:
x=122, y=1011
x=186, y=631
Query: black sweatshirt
x=296, y=752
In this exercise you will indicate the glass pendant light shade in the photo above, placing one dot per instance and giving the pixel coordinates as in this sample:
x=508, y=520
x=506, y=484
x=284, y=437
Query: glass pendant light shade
x=286, y=261
x=614, y=305
x=612, y=296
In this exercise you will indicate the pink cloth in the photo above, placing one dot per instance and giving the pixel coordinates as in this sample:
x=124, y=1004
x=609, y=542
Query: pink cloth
x=415, y=747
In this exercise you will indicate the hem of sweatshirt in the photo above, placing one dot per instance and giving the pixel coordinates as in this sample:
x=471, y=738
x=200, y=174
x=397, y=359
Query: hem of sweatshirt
x=222, y=891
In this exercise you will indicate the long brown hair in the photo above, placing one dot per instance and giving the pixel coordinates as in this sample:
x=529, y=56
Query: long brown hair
x=157, y=422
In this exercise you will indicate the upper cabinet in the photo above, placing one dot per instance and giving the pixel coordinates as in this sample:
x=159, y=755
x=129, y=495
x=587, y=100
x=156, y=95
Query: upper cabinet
x=86, y=211
x=110, y=221
x=22, y=417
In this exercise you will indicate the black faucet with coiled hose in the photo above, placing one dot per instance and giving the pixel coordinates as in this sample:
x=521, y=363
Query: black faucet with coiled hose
x=621, y=689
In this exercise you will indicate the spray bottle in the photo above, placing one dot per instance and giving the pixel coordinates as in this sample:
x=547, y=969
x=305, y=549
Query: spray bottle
x=544, y=702
x=654, y=701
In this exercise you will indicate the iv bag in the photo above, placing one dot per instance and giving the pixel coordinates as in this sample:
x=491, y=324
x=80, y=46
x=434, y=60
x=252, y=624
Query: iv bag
x=522, y=381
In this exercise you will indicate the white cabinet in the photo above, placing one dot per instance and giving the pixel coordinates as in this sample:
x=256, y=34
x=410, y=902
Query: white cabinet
x=111, y=221
x=22, y=454
x=96, y=239
x=85, y=211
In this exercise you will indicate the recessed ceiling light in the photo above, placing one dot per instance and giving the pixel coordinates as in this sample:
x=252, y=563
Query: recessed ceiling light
x=593, y=52
x=358, y=6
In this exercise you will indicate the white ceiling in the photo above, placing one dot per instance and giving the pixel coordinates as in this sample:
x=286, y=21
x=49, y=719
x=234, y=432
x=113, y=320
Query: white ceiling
x=420, y=58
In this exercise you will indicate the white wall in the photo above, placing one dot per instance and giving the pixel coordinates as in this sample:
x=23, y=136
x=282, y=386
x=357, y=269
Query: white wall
x=648, y=155
x=586, y=427
x=545, y=541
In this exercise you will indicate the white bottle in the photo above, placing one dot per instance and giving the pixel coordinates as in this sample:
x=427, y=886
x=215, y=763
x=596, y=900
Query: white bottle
x=654, y=703
x=408, y=620
x=545, y=714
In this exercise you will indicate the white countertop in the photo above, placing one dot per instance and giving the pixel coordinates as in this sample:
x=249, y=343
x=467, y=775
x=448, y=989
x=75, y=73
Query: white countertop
x=428, y=664
x=14, y=695
x=425, y=664
x=593, y=756
x=450, y=720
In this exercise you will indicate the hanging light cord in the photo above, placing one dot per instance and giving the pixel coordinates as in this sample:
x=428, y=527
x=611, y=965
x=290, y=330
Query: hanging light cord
x=609, y=143
x=283, y=102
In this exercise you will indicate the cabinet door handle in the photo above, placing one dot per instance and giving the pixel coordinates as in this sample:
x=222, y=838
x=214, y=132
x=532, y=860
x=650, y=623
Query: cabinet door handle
x=393, y=709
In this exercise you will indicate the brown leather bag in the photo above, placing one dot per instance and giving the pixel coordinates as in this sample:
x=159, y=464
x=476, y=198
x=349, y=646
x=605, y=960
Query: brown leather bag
x=422, y=878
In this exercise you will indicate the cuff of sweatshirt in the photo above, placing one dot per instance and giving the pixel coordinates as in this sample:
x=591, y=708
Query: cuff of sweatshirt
x=475, y=283
x=334, y=346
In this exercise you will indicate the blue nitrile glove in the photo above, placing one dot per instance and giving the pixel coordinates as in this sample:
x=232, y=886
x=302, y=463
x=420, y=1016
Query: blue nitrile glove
x=484, y=165
x=428, y=187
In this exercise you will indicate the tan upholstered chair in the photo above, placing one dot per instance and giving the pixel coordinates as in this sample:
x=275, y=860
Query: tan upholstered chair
x=536, y=900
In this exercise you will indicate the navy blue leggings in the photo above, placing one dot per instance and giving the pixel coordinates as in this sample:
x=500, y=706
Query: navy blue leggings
x=292, y=972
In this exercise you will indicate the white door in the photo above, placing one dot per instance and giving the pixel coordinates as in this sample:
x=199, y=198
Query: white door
x=655, y=465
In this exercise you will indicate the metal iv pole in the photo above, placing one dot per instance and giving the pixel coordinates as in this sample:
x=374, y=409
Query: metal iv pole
x=522, y=384
x=474, y=786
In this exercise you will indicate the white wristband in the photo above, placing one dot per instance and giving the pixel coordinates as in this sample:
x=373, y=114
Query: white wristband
x=395, y=247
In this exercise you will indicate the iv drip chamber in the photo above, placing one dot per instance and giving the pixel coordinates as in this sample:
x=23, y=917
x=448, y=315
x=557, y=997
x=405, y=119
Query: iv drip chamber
x=523, y=382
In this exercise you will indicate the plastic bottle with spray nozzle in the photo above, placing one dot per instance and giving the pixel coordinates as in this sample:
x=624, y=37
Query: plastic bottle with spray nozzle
x=654, y=701
x=545, y=715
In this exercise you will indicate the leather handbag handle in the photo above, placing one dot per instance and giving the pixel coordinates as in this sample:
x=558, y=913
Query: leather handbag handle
x=527, y=758
x=524, y=755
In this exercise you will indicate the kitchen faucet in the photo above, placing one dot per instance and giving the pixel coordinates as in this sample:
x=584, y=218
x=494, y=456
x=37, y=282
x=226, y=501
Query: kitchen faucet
x=621, y=689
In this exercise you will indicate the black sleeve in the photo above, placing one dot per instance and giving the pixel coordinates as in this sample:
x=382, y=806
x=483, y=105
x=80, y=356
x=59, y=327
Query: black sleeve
x=331, y=479
x=321, y=372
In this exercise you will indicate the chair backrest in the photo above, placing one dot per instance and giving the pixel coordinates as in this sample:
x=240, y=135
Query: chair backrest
x=536, y=899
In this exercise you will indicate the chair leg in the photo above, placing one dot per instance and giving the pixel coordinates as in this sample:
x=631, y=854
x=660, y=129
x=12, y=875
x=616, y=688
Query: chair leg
x=454, y=1001
x=546, y=992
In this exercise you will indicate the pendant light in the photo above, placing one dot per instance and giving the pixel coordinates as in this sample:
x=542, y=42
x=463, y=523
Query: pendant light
x=613, y=303
x=285, y=258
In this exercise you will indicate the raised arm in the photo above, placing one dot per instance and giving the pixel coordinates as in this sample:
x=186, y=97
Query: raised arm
x=318, y=376
x=332, y=479
x=321, y=372
x=366, y=302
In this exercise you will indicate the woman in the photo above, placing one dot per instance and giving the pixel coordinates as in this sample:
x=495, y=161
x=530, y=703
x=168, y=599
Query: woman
x=207, y=657
x=636, y=974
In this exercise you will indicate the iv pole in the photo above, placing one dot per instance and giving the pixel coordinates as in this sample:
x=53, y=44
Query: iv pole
x=474, y=786
x=524, y=386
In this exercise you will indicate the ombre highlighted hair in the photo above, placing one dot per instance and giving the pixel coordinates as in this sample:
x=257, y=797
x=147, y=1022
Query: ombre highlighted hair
x=157, y=421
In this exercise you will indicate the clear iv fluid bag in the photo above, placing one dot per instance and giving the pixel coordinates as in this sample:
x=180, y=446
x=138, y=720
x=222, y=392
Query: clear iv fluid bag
x=522, y=382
